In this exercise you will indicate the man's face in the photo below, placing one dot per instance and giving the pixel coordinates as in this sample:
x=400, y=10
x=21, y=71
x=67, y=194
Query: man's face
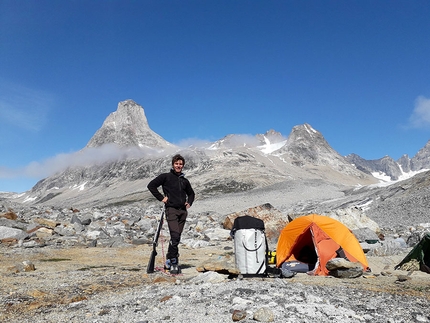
x=177, y=166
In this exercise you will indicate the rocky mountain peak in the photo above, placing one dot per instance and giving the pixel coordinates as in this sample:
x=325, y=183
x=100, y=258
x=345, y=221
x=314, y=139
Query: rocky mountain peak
x=126, y=127
x=309, y=144
x=405, y=163
x=305, y=132
x=270, y=137
x=422, y=159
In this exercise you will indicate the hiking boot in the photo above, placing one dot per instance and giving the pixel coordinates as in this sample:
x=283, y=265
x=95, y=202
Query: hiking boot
x=167, y=265
x=174, y=267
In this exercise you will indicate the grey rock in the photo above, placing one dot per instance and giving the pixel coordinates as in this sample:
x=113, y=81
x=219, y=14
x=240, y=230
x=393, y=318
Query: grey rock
x=95, y=234
x=28, y=266
x=387, y=248
x=65, y=230
x=144, y=224
x=264, y=314
x=342, y=268
x=75, y=219
x=78, y=227
x=209, y=277
x=217, y=234
x=111, y=242
x=341, y=263
x=238, y=315
x=413, y=239
x=92, y=243
x=32, y=244
x=14, y=224
x=86, y=220
x=141, y=241
x=369, y=246
x=98, y=215
x=11, y=233
x=346, y=273
x=365, y=234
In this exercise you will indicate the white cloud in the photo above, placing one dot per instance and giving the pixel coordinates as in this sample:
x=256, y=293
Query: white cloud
x=85, y=157
x=420, y=117
x=23, y=107
x=193, y=142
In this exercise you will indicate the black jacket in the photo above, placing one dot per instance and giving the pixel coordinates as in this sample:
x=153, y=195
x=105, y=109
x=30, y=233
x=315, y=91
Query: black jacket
x=175, y=186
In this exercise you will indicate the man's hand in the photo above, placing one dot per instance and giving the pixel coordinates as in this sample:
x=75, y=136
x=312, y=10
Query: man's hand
x=164, y=200
x=187, y=205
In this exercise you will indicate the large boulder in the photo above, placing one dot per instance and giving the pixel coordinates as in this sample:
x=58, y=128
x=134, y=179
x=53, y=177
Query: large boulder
x=354, y=218
x=12, y=233
x=274, y=220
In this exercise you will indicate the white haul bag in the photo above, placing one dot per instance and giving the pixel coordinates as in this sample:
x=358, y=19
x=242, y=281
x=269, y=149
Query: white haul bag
x=250, y=251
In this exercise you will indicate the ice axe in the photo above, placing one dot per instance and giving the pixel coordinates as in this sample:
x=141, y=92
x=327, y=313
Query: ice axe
x=151, y=263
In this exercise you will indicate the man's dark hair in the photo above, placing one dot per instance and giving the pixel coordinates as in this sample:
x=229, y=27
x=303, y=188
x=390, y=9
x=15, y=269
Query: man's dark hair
x=178, y=157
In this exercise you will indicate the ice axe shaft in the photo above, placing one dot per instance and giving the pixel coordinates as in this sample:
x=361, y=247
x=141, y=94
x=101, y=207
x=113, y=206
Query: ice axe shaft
x=151, y=264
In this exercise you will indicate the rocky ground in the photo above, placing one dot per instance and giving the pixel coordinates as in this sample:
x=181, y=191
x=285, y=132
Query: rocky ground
x=111, y=285
x=59, y=272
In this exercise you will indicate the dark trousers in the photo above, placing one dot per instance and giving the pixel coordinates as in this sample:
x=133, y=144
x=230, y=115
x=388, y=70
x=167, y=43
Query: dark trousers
x=175, y=220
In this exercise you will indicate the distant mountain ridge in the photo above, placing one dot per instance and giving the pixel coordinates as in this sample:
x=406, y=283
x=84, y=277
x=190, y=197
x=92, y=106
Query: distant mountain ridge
x=232, y=164
x=387, y=167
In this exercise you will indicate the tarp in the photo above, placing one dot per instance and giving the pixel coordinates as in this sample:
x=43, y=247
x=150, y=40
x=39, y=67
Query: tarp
x=317, y=239
x=421, y=253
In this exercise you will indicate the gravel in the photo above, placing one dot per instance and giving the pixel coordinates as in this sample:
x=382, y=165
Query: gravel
x=264, y=300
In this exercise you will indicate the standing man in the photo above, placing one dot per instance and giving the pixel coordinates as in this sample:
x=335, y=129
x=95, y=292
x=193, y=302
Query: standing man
x=178, y=197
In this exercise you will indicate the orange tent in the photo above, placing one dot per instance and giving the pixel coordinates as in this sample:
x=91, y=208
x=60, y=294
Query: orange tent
x=323, y=236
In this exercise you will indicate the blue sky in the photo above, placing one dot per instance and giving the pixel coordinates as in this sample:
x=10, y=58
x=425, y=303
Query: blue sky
x=357, y=71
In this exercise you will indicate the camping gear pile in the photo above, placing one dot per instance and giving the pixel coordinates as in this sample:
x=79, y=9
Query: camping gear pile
x=305, y=245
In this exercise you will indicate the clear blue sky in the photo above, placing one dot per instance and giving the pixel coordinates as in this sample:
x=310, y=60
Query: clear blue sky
x=357, y=71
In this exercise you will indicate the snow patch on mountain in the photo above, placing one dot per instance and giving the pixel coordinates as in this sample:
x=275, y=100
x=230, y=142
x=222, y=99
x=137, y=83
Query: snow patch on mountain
x=309, y=129
x=269, y=148
x=80, y=187
x=29, y=199
x=385, y=180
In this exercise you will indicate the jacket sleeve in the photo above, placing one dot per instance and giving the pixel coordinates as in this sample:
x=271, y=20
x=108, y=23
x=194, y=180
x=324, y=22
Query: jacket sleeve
x=153, y=187
x=190, y=194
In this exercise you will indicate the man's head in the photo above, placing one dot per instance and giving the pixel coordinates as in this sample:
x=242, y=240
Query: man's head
x=178, y=163
x=176, y=158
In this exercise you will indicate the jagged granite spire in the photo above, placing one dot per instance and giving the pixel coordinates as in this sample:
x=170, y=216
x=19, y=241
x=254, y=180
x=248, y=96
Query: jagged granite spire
x=422, y=158
x=405, y=163
x=306, y=143
x=126, y=127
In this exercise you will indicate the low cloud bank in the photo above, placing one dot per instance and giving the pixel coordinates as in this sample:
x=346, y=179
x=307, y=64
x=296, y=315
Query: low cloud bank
x=112, y=152
x=82, y=158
